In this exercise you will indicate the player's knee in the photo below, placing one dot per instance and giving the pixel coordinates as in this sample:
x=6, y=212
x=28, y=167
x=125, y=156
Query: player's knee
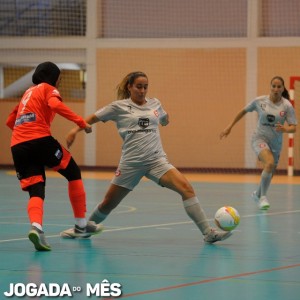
x=37, y=190
x=72, y=171
x=187, y=191
x=269, y=166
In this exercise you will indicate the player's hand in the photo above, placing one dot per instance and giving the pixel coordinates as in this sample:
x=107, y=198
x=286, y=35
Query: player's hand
x=279, y=127
x=88, y=128
x=225, y=133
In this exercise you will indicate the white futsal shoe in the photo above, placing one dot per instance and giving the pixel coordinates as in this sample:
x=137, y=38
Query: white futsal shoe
x=37, y=237
x=261, y=202
x=76, y=232
x=216, y=236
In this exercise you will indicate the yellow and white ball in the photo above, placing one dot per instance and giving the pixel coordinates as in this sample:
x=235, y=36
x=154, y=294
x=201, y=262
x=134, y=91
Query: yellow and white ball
x=227, y=218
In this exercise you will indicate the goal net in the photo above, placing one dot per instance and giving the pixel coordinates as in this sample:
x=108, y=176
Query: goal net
x=205, y=61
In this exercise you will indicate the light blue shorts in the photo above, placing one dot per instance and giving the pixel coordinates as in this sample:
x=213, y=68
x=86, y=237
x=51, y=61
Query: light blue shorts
x=259, y=144
x=129, y=176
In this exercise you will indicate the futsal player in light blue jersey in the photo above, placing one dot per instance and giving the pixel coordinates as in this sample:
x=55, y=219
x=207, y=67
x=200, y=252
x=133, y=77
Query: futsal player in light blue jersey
x=276, y=116
x=138, y=119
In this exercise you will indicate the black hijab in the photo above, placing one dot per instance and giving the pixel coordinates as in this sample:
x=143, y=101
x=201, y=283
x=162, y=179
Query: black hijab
x=46, y=72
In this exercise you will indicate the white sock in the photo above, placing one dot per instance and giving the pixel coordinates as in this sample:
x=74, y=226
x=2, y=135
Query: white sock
x=197, y=214
x=97, y=216
x=81, y=222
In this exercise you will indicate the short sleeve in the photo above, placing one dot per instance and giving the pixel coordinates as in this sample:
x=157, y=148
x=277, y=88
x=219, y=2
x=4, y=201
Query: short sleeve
x=106, y=113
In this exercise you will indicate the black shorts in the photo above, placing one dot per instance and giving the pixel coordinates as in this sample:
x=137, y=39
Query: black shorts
x=31, y=158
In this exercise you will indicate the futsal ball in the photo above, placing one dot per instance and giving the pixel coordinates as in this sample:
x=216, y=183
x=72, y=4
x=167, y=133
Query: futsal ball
x=227, y=218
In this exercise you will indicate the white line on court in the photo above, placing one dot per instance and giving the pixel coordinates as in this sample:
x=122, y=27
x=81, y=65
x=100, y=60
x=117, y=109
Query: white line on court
x=159, y=225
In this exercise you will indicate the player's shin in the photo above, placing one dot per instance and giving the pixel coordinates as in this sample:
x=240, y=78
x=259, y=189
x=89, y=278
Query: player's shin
x=196, y=213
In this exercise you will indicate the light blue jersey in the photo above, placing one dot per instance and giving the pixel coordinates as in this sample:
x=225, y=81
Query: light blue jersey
x=270, y=114
x=138, y=127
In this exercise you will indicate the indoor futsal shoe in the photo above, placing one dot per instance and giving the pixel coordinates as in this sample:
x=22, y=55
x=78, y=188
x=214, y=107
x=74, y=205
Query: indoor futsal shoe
x=77, y=232
x=216, y=236
x=37, y=237
x=263, y=203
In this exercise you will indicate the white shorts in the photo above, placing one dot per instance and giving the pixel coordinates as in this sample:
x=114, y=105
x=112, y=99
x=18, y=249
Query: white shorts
x=259, y=144
x=129, y=176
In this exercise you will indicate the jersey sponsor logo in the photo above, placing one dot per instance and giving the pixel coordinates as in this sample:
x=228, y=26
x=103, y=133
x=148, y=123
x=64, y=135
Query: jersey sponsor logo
x=143, y=122
x=262, y=145
x=282, y=113
x=141, y=131
x=271, y=118
x=29, y=117
x=156, y=113
x=58, y=154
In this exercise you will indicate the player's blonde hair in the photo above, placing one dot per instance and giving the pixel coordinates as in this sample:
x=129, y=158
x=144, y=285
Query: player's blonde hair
x=128, y=80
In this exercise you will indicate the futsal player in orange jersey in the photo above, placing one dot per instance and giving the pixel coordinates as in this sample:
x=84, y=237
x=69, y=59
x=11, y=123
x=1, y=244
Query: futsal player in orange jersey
x=33, y=148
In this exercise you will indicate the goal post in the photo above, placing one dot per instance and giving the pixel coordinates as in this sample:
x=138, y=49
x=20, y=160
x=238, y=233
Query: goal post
x=290, y=169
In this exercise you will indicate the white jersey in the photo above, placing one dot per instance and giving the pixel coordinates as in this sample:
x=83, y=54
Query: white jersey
x=269, y=114
x=138, y=127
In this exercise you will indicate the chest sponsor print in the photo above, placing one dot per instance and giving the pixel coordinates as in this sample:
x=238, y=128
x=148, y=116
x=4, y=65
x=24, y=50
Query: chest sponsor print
x=143, y=122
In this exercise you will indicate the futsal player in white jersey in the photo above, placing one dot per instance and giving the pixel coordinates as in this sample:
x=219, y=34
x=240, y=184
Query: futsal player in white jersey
x=138, y=119
x=276, y=116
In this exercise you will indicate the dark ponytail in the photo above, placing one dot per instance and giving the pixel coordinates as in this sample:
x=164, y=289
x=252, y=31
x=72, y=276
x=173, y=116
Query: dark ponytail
x=285, y=94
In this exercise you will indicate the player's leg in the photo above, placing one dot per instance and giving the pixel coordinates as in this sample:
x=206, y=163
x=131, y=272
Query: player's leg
x=31, y=176
x=114, y=195
x=176, y=181
x=55, y=156
x=267, y=158
x=112, y=198
x=35, y=213
x=77, y=197
x=269, y=166
x=76, y=191
x=125, y=180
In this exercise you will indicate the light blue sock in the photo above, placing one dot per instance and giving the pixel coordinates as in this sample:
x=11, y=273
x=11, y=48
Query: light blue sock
x=264, y=183
x=97, y=216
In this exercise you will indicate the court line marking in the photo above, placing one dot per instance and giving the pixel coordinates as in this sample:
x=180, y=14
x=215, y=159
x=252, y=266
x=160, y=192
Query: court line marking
x=199, y=177
x=215, y=279
x=154, y=225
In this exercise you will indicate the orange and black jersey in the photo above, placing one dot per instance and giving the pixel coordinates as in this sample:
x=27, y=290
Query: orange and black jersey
x=32, y=117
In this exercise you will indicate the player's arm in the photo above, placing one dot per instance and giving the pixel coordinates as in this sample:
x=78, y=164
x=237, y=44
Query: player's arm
x=10, y=122
x=70, y=138
x=59, y=107
x=287, y=128
x=237, y=118
x=164, y=120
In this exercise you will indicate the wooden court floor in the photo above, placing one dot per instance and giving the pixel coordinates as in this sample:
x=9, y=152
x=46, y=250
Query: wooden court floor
x=150, y=248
